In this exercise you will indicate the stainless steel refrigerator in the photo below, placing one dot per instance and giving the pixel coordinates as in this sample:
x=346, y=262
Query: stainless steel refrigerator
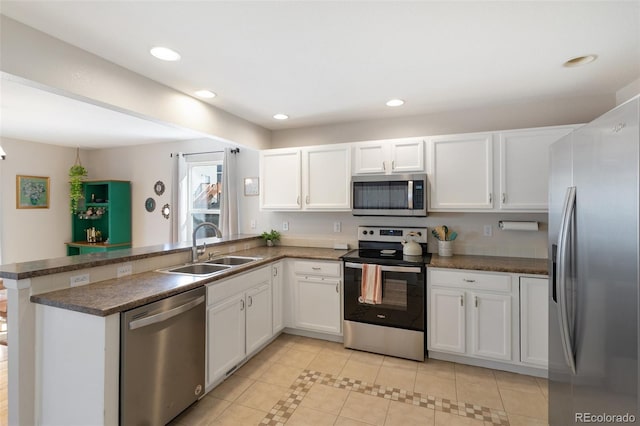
x=593, y=258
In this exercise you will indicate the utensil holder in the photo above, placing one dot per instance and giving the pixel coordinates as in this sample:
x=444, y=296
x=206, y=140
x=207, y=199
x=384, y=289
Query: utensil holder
x=445, y=248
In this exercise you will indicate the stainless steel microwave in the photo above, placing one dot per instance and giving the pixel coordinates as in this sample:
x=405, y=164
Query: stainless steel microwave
x=389, y=195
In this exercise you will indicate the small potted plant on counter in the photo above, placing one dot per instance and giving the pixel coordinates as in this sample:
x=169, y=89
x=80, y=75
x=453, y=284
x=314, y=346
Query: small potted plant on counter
x=445, y=239
x=271, y=237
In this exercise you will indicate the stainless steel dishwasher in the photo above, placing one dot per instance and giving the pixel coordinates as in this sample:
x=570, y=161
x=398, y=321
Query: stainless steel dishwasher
x=162, y=358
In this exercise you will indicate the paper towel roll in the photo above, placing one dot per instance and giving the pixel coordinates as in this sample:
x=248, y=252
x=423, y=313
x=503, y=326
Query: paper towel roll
x=517, y=226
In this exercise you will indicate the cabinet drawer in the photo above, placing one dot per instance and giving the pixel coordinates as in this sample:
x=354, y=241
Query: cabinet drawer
x=470, y=280
x=224, y=288
x=329, y=269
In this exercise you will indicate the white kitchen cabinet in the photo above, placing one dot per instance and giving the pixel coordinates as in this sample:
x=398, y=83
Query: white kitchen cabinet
x=239, y=321
x=389, y=156
x=326, y=177
x=317, y=300
x=461, y=172
x=280, y=179
x=313, y=178
x=470, y=313
x=534, y=319
x=524, y=167
x=225, y=336
x=491, y=325
x=277, y=289
x=447, y=320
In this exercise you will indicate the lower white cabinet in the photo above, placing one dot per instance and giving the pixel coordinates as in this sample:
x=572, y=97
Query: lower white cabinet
x=317, y=300
x=470, y=313
x=534, y=320
x=277, y=291
x=239, y=320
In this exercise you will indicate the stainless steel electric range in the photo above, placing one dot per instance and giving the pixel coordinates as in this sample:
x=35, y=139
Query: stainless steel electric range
x=397, y=325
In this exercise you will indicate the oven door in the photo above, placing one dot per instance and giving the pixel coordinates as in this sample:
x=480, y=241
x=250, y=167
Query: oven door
x=403, y=297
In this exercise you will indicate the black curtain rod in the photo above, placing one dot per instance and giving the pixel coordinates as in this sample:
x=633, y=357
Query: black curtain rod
x=233, y=151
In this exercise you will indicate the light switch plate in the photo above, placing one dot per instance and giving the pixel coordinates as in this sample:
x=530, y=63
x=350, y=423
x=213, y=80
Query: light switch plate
x=285, y=226
x=488, y=230
x=337, y=227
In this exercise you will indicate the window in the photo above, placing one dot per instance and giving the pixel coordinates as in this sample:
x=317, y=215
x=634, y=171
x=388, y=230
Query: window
x=204, y=195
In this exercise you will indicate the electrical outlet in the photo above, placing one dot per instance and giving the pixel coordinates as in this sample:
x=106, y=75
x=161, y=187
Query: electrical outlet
x=337, y=227
x=285, y=226
x=124, y=270
x=488, y=230
x=77, y=280
x=253, y=224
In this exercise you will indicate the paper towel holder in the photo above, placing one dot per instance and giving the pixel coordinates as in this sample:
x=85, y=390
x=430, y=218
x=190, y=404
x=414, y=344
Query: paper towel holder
x=518, y=225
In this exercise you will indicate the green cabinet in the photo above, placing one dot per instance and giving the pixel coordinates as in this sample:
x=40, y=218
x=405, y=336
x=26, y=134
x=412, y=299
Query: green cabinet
x=103, y=222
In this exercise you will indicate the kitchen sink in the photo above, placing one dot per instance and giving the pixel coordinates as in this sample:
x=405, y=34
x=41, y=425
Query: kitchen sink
x=232, y=260
x=199, y=269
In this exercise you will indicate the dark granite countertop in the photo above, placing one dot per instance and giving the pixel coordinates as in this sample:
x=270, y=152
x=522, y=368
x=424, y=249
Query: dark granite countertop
x=121, y=294
x=37, y=268
x=516, y=265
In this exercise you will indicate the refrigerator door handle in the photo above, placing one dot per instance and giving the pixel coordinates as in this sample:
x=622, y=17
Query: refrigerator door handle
x=561, y=279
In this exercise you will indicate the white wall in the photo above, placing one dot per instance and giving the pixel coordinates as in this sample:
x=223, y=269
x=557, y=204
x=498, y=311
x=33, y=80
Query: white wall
x=550, y=112
x=32, y=234
x=627, y=92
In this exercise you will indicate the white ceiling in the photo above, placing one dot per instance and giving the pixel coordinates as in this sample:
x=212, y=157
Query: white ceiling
x=323, y=62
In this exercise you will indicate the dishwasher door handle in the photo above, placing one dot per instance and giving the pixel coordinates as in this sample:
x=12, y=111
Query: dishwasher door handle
x=163, y=316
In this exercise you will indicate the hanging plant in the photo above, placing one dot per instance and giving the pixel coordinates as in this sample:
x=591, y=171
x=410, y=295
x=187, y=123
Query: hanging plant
x=77, y=173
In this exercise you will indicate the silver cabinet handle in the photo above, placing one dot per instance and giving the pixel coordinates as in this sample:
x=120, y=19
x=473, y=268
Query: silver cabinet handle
x=563, y=244
x=468, y=281
x=163, y=316
x=393, y=164
x=381, y=316
x=307, y=199
x=242, y=304
x=316, y=268
x=461, y=300
x=275, y=272
x=384, y=166
x=490, y=198
x=298, y=200
x=475, y=300
x=504, y=198
x=250, y=301
x=338, y=287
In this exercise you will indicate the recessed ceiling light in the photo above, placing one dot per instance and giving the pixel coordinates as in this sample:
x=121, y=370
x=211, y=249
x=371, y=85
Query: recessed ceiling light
x=165, y=53
x=395, y=102
x=580, y=60
x=280, y=116
x=205, y=94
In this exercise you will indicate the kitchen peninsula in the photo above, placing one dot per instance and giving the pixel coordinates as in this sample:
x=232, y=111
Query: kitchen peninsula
x=43, y=305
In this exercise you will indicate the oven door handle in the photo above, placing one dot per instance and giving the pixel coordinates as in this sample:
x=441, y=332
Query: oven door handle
x=386, y=268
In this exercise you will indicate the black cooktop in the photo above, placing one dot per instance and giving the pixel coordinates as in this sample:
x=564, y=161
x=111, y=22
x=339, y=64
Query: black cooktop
x=385, y=256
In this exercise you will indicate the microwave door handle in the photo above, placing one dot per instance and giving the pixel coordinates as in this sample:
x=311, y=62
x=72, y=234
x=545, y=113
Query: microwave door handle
x=410, y=195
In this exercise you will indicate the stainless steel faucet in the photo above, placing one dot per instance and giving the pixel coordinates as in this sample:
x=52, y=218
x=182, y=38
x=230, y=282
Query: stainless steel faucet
x=195, y=251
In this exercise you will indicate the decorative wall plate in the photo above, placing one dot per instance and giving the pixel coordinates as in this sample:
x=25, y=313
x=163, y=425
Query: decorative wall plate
x=159, y=187
x=166, y=211
x=150, y=204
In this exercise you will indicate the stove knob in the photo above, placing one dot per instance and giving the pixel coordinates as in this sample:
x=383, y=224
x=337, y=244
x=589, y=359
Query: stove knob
x=364, y=232
x=370, y=232
x=419, y=234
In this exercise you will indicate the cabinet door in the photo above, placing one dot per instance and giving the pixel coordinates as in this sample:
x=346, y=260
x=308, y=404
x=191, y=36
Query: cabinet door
x=407, y=156
x=226, y=337
x=534, y=310
x=280, y=179
x=277, y=296
x=491, y=325
x=371, y=157
x=259, y=321
x=524, y=167
x=461, y=172
x=447, y=320
x=317, y=304
x=327, y=178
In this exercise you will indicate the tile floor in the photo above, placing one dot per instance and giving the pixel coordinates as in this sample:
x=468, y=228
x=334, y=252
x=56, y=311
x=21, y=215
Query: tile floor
x=301, y=381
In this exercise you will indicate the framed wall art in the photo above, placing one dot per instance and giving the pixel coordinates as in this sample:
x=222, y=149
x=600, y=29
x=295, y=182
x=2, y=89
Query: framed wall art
x=32, y=192
x=251, y=186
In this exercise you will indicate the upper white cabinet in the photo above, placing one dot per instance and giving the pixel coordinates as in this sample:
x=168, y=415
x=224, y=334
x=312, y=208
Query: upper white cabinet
x=389, y=156
x=314, y=178
x=461, y=172
x=524, y=167
x=280, y=179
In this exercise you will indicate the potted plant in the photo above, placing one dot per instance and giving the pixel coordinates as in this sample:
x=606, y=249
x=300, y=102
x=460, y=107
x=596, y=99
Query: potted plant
x=270, y=237
x=445, y=239
x=77, y=173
